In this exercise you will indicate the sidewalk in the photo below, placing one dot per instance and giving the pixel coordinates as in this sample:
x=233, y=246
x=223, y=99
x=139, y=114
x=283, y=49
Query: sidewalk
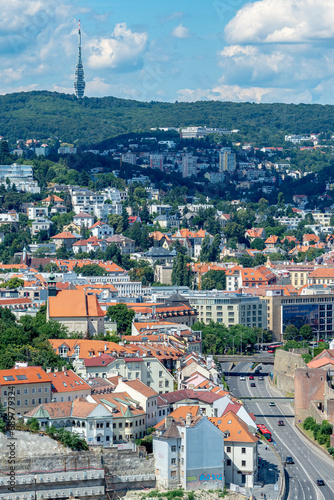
x=268, y=483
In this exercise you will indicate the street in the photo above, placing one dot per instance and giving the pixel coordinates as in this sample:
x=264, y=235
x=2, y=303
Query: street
x=309, y=463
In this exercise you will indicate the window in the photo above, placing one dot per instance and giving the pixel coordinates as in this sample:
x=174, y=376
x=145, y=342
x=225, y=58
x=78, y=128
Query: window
x=46, y=389
x=228, y=462
x=45, y=400
x=40, y=389
x=228, y=449
x=107, y=438
x=173, y=461
x=160, y=374
x=107, y=424
x=18, y=391
x=160, y=384
x=33, y=401
x=33, y=390
x=5, y=393
x=114, y=426
x=173, y=473
x=120, y=425
x=243, y=463
x=39, y=401
x=18, y=403
x=243, y=450
x=25, y=402
x=173, y=448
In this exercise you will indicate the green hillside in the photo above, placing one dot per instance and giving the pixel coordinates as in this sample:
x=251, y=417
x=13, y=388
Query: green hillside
x=48, y=114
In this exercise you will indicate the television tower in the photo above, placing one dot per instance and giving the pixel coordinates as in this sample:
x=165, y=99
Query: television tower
x=79, y=79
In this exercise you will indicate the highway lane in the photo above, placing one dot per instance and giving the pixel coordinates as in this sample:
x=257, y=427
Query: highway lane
x=310, y=464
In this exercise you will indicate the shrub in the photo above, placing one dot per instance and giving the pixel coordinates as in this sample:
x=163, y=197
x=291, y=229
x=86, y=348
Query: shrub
x=191, y=496
x=309, y=423
x=316, y=431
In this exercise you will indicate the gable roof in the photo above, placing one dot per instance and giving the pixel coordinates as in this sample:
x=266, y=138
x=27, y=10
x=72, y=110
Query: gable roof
x=139, y=386
x=26, y=375
x=67, y=381
x=236, y=428
x=74, y=304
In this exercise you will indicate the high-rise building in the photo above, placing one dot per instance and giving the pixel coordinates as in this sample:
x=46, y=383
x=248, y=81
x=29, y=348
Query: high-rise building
x=189, y=165
x=157, y=161
x=79, y=79
x=227, y=160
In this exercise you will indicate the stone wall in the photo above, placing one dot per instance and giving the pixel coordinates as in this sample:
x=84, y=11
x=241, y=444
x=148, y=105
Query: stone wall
x=284, y=369
x=310, y=387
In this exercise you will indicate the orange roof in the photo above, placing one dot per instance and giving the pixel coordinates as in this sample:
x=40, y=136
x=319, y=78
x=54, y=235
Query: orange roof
x=181, y=412
x=67, y=381
x=89, y=348
x=139, y=386
x=322, y=272
x=237, y=429
x=255, y=232
x=311, y=237
x=53, y=197
x=74, y=304
x=28, y=375
x=185, y=233
x=319, y=363
x=273, y=239
x=64, y=235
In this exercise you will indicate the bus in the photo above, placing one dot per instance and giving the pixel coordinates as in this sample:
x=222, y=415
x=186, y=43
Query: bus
x=264, y=431
x=272, y=347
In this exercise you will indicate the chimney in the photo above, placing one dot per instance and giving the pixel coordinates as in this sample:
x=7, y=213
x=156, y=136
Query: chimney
x=48, y=370
x=63, y=368
x=56, y=369
x=188, y=419
x=168, y=421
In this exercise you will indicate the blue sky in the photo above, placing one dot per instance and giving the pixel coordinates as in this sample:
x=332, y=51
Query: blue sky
x=185, y=50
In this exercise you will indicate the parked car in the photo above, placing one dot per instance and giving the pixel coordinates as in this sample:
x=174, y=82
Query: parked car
x=289, y=460
x=281, y=423
x=242, y=377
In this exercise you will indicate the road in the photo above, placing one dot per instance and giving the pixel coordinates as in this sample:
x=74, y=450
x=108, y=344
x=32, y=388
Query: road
x=310, y=463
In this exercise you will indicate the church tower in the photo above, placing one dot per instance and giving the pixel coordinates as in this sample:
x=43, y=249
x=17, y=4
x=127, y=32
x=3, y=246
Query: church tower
x=79, y=79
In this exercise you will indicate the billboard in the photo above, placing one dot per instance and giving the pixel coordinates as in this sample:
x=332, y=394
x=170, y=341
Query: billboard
x=300, y=315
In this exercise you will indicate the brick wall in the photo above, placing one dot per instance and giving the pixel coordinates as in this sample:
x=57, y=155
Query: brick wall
x=310, y=387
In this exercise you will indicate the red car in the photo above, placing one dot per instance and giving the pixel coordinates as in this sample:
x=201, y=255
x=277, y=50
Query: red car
x=251, y=377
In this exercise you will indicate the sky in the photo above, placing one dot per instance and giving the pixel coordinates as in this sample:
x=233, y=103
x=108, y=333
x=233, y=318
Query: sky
x=179, y=50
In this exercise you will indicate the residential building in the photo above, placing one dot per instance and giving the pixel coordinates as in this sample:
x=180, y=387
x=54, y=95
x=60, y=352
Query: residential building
x=21, y=176
x=101, y=230
x=126, y=245
x=240, y=449
x=41, y=224
x=89, y=420
x=146, y=396
x=33, y=212
x=83, y=219
x=65, y=238
x=189, y=165
x=128, y=418
x=321, y=275
x=24, y=387
x=189, y=452
x=227, y=160
x=163, y=273
x=157, y=161
x=67, y=385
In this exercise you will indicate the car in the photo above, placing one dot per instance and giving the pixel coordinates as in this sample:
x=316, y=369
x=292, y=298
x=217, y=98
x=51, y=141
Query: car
x=289, y=460
x=272, y=403
x=253, y=384
x=242, y=377
x=281, y=423
x=261, y=378
x=320, y=482
x=251, y=377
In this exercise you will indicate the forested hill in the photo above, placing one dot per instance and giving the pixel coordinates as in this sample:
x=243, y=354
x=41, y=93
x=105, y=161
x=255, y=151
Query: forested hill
x=48, y=114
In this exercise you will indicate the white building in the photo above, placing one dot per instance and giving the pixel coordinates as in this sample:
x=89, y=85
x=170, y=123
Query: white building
x=146, y=396
x=21, y=176
x=101, y=230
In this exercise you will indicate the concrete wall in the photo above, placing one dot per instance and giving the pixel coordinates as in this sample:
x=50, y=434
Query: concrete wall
x=284, y=369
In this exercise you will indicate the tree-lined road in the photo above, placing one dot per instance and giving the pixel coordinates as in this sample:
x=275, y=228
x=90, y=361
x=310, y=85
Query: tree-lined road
x=310, y=463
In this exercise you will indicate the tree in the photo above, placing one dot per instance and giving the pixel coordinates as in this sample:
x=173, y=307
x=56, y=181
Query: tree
x=90, y=270
x=122, y=316
x=181, y=273
x=258, y=244
x=214, y=280
x=13, y=283
x=306, y=332
x=291, y=332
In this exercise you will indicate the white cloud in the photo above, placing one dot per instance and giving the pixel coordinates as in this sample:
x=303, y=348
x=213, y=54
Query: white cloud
x=287, y=21
x=181, y=32
x=123, y=48
x=237, y=93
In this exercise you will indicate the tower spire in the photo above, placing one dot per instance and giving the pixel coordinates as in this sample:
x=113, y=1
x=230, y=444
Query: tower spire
x=79, y=79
